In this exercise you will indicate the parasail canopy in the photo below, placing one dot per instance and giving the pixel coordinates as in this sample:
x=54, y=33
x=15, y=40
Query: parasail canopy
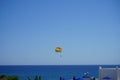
x=58, y=49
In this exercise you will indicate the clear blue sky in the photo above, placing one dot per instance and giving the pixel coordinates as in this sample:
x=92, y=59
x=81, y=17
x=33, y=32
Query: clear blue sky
x=87, y=30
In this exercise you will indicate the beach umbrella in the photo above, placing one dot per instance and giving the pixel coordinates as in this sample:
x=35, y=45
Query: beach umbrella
x=106, y=78
x=85, y=76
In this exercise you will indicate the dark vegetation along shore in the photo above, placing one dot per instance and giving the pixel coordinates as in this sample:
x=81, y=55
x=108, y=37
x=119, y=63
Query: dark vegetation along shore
x=5, y=77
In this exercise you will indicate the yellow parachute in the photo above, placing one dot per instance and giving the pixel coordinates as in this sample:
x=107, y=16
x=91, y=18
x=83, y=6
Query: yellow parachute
x=58, y=49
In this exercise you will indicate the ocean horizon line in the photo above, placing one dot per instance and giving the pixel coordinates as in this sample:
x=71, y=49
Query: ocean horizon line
x=62, y=65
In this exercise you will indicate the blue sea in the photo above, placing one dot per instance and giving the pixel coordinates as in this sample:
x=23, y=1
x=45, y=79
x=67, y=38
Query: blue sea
x=51, y=72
